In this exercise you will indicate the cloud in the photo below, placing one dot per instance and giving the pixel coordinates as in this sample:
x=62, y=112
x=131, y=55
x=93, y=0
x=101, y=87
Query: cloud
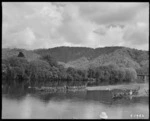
x=106, y=13
x=102, y=30
x=33, y=25
x=23, y=39
x=137, y=35
x=128, y=22
x=75, y=29
x=42, y=22
x=113, y=37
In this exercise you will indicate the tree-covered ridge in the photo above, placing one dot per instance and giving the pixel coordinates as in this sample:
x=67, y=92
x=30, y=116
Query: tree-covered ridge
x=125, y=57
x=120, y=60
x=81, y=63
x=134, y=54
x=81, y=57
x=66, y=54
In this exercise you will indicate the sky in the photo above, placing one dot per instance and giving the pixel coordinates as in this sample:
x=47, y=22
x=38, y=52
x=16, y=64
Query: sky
x=33, y=25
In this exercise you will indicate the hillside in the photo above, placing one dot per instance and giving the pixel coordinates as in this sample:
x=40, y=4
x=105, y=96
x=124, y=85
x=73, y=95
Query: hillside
x=114, y=57
x=83, y=57
x=66, y=54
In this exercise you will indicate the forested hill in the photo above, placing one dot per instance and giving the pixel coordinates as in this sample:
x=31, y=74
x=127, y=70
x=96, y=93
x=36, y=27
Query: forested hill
x=83, y=57
x=66, y=54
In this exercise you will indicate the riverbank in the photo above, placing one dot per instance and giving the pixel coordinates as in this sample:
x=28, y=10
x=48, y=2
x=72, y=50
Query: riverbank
x=143, y=87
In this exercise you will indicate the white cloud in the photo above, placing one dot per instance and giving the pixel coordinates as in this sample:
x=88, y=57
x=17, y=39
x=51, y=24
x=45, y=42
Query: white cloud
x=113, y=37
x=107, y=12
x=102, y=30
x=23, y=39
x=136, y=35
x=75, y=29
x=33, y=25
x=41, y=25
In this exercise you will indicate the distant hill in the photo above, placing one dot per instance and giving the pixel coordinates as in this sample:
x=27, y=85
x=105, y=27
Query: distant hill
x=66, y=54
x=83, y=57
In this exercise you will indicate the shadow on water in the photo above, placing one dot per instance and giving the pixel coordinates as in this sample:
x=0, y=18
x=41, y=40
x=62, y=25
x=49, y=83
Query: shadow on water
x=17, y=92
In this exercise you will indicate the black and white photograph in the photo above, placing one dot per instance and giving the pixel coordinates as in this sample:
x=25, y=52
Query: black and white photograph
x=75, y=60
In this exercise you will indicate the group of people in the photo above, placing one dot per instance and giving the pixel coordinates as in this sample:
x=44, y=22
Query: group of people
x=124, y=93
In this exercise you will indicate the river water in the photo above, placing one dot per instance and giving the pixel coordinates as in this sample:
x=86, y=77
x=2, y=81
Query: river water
x=72, y=105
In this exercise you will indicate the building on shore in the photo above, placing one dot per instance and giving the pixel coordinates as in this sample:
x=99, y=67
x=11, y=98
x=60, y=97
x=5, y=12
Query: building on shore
x=143, y=77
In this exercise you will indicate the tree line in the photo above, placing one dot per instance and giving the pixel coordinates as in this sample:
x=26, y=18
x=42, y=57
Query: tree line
x=45, y=71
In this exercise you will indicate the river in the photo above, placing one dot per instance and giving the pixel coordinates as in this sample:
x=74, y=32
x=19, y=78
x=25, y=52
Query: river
x=68, y=105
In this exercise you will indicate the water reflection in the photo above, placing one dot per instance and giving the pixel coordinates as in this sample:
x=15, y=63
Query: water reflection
x=84, y=105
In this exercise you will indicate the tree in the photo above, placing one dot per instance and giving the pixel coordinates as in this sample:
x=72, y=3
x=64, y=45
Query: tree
x=130, y=75
x=91, y=73
x=38, y=71
x=143, y=70
x=15, y=69
x=121, y=74
x=50, y=60
x=17, y=62
x=21, y=54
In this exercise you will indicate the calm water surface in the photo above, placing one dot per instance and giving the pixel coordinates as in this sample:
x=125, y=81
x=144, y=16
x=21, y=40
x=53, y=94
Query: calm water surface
x=79, y=105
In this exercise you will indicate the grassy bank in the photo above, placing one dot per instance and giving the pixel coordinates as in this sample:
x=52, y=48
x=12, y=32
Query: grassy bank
x=143, y=87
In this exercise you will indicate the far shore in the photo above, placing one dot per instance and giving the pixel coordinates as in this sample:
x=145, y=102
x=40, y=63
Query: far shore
x=143, y=87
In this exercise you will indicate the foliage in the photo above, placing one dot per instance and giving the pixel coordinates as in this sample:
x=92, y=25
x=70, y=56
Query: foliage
x=66, y=54
x=83, y=58
x=112, y=74
x=130, y=75
x=21, y=54
x=50, y=60
x=115, y=66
